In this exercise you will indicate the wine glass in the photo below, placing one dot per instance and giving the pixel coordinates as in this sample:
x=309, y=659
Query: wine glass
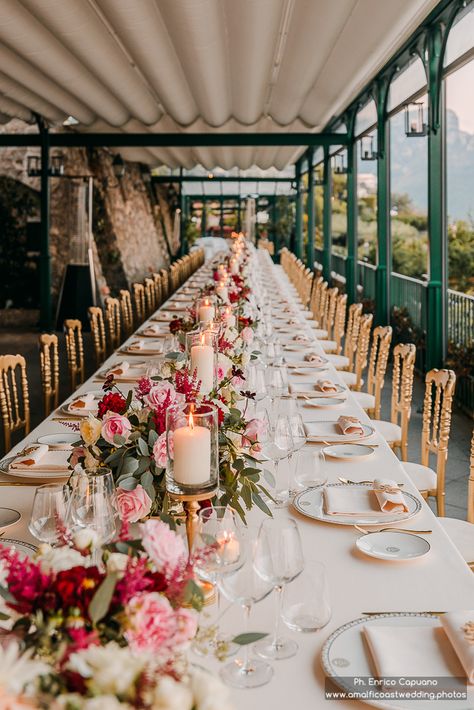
x=217, y=551
x=245, y=587
x=255, y=379
x=49, y=513
x=305, y=605
x=309, y=470
x=278, y=559
x=93, y=503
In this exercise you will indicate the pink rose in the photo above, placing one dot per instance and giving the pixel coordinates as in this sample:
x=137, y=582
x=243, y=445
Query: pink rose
x=164, y=547
x=247, y=335
x=159, y=394
x=237, y=382
x=254, y=432
x=220, y=373
x=115, y=424
x=133, y=505
x=160, y=453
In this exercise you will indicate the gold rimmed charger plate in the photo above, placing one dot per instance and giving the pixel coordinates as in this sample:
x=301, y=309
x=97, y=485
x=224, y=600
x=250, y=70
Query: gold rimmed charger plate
x=36, y=478
x=328, y=433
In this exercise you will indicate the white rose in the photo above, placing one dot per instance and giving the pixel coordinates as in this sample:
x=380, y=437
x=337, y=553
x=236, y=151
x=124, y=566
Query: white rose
x=85, y=539
x=59, y=559
x=117, y=562
x=171, y=695
x=109, y=669
x=208, y=691
x=166, y=370
x=104, y=702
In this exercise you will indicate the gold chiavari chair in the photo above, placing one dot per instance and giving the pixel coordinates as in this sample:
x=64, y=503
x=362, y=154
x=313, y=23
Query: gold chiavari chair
x=346, y=361
x=318, y=301
x=150, y=296
x=461, y=532
x=355, y=379
x=378, y=361
x=324, y=334
x=113, y=322
x=96, y=319
x=138, y=291
x=49, y=366
x=15, y=409
x=165, y=287
x=75, y=351
x=437, y=406
x=339, y=324
x=127, y=312
x=157, y=281
x=395, y=432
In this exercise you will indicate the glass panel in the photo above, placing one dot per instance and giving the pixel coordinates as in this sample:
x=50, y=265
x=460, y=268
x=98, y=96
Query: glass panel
x=409, y=200
x=461, y=36
x=339, y=209
x=318, y=155
x=406, y=83
x=366, y=208
x=366, y=118
x=460, y=177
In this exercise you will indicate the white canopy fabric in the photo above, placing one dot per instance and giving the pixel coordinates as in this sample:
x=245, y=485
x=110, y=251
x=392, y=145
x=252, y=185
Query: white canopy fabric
x=196, y=65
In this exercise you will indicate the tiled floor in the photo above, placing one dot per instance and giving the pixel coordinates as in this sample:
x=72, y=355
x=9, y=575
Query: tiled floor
x=461, y=431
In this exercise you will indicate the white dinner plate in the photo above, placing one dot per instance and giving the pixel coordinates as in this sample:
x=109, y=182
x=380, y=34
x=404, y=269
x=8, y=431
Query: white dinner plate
x=134, y=372
x=149, y=348
x=393, y=546
x=178, y=307
x=8, y=517
x=26, y=547
x=311, y=504
x=59, y=442
x=348, y=452
x=164, y=317
x=307, y=389
x=303, y=364
x=305, y=372
x=149, y=334
x=327, y=431
x=91, y=409
x=326, y=402
x=345, y=656
x=33, y=475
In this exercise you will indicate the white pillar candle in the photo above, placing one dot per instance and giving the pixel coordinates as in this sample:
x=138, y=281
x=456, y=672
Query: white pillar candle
x=202, y=362
x=192, y=454
x=222, y=291
x=234, y=266
x=229, y=317
x=206, y=312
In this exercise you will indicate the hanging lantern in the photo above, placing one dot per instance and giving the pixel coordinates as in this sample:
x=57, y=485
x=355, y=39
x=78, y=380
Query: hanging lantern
x=415, y=124
x=340, y=165
x=367, y=150
x=33, y=165
x=319, y=177
x=57, y=165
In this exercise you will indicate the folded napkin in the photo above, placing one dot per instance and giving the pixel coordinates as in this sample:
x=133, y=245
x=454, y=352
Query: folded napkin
x=349, y=425
x=389, y=496
x=325, y=386
x=314, y=357
x=136, y=345
x=119, y=369
x=48, y=461
x=294, y=321
x=459, y=628
x=30, y=456
x=411, y=651
x=153, y=329
x=302, y=338
x=351, y=500
x=83, y=402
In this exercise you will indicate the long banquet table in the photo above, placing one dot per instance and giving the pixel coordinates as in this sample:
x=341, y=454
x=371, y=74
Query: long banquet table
x=439, y=581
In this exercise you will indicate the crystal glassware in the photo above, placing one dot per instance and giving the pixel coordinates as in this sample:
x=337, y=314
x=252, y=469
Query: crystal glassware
x=49, y=513
x=309, y=469
x=93, y=503
x=305, y=604
x=278, y=559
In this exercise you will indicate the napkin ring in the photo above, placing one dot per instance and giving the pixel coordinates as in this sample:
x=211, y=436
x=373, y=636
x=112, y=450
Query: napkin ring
x=468, y=629
x=389, y=488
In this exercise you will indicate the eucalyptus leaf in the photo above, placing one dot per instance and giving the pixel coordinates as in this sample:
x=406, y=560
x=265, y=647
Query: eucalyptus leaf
x=142, y=447
x=129, y=484
x=152, y=438
x=146, y=479
x=100, y=602
x=129, y=466
x=119, y=440
x=251, y=637
x=260, y=503
x=269, y=477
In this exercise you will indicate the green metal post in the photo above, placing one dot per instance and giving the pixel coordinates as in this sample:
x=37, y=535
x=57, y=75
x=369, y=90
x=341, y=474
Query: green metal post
x=45, y=258
x=327, y=215
x=436, y=341
x=352, y=214
x=221, y=219
x=298, y=213
x=310, y=211
x=384, y=250
x=203, y=219
x=239, y=215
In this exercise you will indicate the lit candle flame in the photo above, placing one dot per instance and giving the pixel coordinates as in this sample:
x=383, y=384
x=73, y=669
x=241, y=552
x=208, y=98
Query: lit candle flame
x=191, y=420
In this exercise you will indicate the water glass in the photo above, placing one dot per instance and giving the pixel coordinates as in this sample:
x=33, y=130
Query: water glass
x=305, y=603
x=49, y=514
x=310, y=468
x=93, y=503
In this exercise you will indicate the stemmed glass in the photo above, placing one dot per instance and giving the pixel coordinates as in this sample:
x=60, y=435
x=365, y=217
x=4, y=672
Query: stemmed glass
x=278, y=559
x=218, y=551
x=246, y=587
x=93, y=503
x=255, y=381
x=49, y=514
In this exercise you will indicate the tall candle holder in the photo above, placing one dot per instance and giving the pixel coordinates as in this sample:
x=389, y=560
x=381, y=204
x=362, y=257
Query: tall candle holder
x=201, y=352
x=192, y=470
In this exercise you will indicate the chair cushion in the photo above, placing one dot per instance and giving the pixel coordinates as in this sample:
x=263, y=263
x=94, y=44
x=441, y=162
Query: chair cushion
x=328, y=345
x=390, y=432
x=319, y=332
x=339, y=361
x=349, y=378
x=366, y=401
x=462, y=536
x=423, y=477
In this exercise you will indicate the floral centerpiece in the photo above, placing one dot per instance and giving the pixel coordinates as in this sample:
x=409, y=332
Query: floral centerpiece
x=108, y=635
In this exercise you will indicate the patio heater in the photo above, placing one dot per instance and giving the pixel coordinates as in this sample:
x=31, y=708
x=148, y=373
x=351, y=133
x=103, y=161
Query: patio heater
x=78, y=289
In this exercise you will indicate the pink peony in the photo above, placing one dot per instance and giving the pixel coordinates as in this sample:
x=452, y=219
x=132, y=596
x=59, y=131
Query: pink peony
x=115, y=424
x=160, y=453
x=133, y=505
x=237, y=382
x=254, y=431
x=154, y=626
x=164, y=547
x=247, y=335
x=159, y=393
x=220, y=373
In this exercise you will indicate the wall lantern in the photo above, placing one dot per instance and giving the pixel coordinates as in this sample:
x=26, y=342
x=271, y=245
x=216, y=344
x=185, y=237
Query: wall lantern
x=56, y=168
x=415, y=124
x=118, y=166
x=340, y=164
x=367, y=151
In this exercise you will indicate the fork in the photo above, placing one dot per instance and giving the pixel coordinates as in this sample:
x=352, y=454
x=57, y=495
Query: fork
x=405, y=530
x=355, y=483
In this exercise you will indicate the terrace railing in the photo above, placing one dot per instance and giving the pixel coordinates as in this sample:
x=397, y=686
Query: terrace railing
x=366, y=279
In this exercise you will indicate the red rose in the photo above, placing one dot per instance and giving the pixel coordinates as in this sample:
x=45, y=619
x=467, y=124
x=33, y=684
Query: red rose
x=112, y=402
x=75, y=587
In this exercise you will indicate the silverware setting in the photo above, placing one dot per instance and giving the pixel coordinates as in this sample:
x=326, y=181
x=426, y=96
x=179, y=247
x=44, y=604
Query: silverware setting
x=403, y=530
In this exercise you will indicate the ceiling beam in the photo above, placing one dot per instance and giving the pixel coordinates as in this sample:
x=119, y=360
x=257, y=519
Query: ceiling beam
x=175, y=140
x=216, y=178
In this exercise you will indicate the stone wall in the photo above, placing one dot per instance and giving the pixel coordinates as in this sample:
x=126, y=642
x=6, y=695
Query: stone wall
x=132, y=220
